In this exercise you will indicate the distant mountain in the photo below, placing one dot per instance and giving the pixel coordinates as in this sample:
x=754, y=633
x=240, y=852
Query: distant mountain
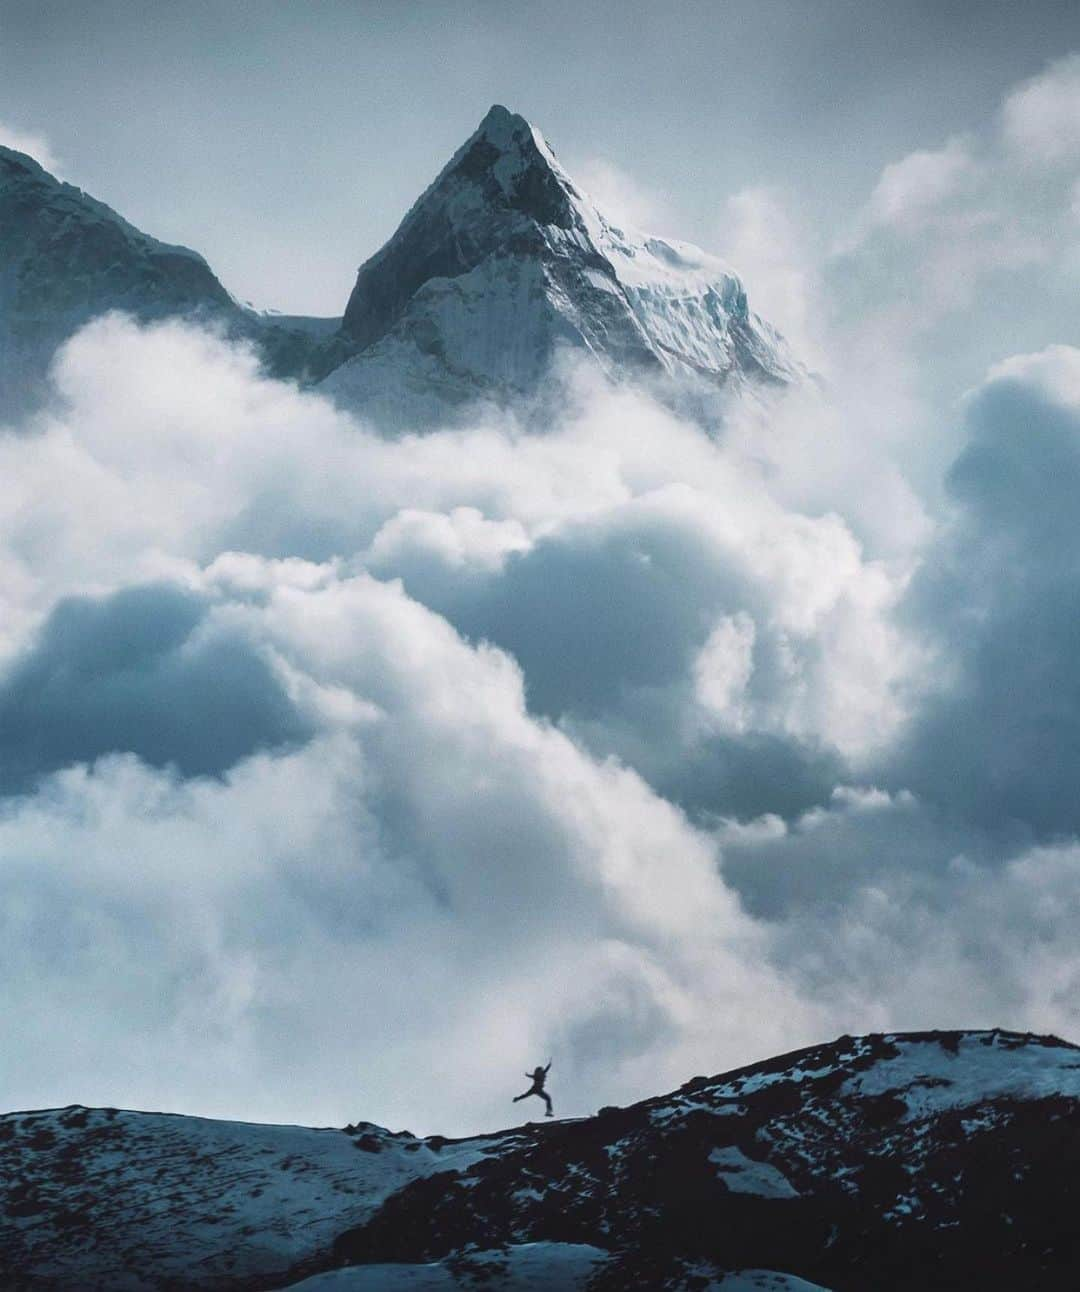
x=920, y=1161
x=503, y=261
x=501, y=265
x=66, y=258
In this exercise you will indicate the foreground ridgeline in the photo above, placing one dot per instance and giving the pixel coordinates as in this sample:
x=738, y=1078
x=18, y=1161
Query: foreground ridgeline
x=910, y=1161
x=501, y=266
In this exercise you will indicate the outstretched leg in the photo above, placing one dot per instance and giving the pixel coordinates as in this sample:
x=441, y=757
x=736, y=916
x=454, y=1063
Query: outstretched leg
x=518, y=1098
x=547, y=1100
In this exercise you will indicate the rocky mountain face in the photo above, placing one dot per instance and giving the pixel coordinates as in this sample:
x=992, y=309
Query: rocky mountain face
x=503, y=262
x=66, y=258
x=920, y=1161
x=501, y=266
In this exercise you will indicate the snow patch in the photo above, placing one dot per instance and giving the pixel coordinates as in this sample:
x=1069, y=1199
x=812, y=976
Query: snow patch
x=529, y=1267
x=931, y=1078
x=743, y=1174
x=764, y=1281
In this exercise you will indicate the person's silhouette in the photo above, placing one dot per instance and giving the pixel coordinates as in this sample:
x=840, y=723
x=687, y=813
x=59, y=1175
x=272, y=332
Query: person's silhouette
x=538, y=1076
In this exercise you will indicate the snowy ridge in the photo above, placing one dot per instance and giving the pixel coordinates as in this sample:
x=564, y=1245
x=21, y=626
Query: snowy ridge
x=899, y=1161
x=118, y=1200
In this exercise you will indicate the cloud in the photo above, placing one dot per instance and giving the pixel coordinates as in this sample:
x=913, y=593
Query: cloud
x=758, y=235
x=622, y=197
x=329, y=753
x=1000, y=736
x=911, y=190
x=950, y=232
x=609, y=610
x=277, y=833
x=1040, y=119
x=436, y=874
x=872, y=881
x=23, y=141
x=147, y=670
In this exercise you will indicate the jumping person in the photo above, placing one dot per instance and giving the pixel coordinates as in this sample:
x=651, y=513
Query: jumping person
x=538, y=1076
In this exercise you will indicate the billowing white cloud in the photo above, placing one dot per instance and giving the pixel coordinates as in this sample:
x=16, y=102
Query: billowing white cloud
x=434, y=883
x=759, y=237
x=1041, y=118
x=280, y=825
x=913, y=189
x=245, y=757
x=620, y=195
x=723, y=670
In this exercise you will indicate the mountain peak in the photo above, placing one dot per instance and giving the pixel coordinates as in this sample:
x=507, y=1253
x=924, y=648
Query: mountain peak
x=496, y=195
x=512, y=166
x=500, y=123
x=517, y=139
x=503, y=262
x=14, y=163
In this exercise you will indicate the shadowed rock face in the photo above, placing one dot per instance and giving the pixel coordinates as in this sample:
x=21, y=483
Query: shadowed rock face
x=67, y=255
x=66, y=258
x=465, y=216
x=929, y=1161
x=926, y=1161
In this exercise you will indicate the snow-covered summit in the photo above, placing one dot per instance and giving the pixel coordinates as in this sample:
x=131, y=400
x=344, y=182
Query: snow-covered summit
x=503, y=260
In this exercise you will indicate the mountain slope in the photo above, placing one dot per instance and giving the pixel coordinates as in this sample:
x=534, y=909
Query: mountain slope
x=66, y=257
x=919, y=1161
x=503, y=261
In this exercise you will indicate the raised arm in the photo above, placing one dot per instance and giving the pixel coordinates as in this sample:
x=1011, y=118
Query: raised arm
x=548, y=1068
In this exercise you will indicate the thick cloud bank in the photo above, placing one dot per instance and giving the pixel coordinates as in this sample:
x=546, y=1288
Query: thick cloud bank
x=331, y=762
x=349, y=777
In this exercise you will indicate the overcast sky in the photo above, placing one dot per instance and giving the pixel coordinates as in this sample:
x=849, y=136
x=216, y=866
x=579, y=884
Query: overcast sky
x=286, y=140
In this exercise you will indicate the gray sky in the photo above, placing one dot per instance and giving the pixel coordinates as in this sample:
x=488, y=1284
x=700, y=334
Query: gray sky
x=285, y=140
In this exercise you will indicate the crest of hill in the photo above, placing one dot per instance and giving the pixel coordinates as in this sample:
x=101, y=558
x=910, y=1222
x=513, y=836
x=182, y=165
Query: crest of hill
x=931, y=1160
